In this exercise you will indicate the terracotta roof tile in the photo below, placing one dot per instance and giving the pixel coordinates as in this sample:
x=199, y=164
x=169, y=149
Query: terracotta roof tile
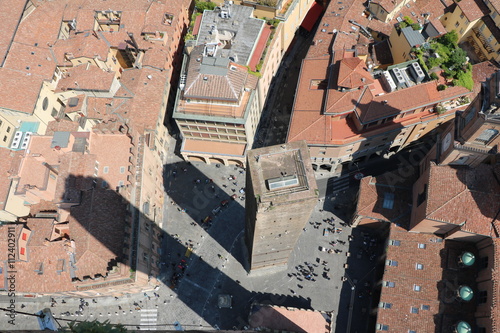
x=31, y=60
x=435, y=278
x=209, y=81
x=353, y=73
x=416, y=9
x=61, y=125
x=97, y=227
x=288, y=319
x=116, y=164
x=80, y=45
x=473, y=9
x=47, y=257
x=495, y=4
x=388, y=5
x=376, y=195
x=11, y=81
x=10, y=14
x=47, y=18
x=8, y=170
x=142, y=110
x=481, y=72
x=83, y=77
x=463, y=195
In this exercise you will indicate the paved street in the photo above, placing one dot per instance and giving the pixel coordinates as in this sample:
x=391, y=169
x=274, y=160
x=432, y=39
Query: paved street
x=273, y=125
x=204, y=255
x=217, y=263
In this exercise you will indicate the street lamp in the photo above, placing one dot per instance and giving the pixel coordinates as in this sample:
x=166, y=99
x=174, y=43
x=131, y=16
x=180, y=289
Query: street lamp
x=351, y=303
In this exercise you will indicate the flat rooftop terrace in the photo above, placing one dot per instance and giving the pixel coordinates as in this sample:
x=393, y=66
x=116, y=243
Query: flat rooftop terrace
x=281, y=170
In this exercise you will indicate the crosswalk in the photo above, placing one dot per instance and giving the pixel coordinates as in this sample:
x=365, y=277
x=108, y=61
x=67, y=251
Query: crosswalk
x=338, y=184
x=149, y=317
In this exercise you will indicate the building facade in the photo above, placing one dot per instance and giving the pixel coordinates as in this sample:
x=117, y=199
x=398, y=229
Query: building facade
x=207, y=134
x=281, y=194
x=476, y=23
x=350, y=107
x=109, y=71
x=218, y=106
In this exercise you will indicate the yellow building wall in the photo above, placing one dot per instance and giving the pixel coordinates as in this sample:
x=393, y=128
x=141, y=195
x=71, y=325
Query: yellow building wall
x=10, y=122
x=484, y=35
x=15, y=204
x=382, y=15
x=457, y=21
x=400, y=49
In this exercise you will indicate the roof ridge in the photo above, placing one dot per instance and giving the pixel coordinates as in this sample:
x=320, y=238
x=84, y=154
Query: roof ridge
x=372, y=190
x=313, y=123
x=186, y=89
x=446, y=203
x=230, y=84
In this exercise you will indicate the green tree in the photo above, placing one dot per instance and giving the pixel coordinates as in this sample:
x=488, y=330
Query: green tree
x=450, y=39
x=270, y=3
x=457, y=58
x=408, y=20
x=94, y=327
x=464, y=79
x=202, y=5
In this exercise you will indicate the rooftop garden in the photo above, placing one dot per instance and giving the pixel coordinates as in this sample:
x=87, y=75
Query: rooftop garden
x=408, y=22
x=204, y=5
x=273, y=23
x=269, y=3
x=443, y=57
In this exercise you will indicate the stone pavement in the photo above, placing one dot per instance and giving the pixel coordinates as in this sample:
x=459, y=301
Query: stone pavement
x=216, y=264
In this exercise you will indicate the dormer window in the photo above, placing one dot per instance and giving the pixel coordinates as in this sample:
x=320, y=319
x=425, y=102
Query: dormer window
x=107, y=20
x=168, y=19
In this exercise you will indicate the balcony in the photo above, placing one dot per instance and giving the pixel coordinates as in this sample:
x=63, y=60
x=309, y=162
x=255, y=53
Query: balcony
x=455, y=103
x=492, y=151
x=484, y=40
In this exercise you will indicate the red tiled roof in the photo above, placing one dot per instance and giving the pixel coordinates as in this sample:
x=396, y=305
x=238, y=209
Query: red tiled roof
x=496, y=4
x=405, y=276
x=464, y=196
x=473, y=9
x=97, y=228
x=10, y=13
x=81, y=45
x=259, y=47
x=372, y=197
x=226, y=85
x=47, y=257
x=436, y=23
x=197, y=23
x=141, y=110
x=8, y=169
x=481, y=72
x=83, y=77
x=12, y=80
x=353, y=74
x=291, y=320
x=61, y=125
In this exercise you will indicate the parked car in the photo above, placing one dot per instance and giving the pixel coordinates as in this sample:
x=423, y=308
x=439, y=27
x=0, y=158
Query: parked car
x=216, y=210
